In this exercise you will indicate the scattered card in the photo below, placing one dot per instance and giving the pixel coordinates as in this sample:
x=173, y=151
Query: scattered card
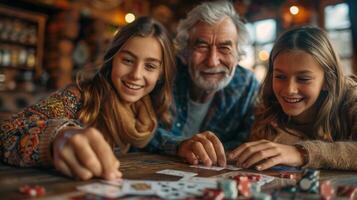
x=116, y=182
x=176, y=173
x=233, y=167
x=138, y=187
x=215, y=168
x=100, y=189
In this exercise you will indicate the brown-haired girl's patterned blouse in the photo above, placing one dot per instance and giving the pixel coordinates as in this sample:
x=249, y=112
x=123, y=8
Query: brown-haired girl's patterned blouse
x=25, y=139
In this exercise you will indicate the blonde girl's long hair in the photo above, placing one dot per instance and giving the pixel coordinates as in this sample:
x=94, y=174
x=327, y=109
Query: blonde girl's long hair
x=100, y=99
x=330, y=123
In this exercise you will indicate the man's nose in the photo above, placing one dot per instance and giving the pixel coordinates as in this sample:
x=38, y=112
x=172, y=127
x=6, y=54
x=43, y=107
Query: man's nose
x=213, y=57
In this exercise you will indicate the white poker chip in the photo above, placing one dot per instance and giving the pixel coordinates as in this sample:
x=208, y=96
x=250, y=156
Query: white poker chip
x=305, y=183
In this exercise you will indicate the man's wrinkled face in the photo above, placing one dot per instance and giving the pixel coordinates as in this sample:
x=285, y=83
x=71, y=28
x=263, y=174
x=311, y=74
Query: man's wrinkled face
x=214, y=56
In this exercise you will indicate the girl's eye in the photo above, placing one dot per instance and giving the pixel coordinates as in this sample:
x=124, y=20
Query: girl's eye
x=304, y=79
x=127, y=61
x=279, y=76
x=151, y=67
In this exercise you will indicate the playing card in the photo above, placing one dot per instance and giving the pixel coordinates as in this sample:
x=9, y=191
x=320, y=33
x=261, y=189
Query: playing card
x=138, y=187
x=100, y=189
x=173, y=190
x=116, y=182
x=172, y=193
x=215, y=168
x=176, y=173
x=204, y=182
x=233, y=168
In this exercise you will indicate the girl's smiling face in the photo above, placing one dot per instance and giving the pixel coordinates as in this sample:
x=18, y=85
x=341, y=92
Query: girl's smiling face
x=297, y=82
x=137, y=68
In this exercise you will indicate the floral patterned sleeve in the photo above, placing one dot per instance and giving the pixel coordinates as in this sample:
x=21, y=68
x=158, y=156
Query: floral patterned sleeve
x=26, y=137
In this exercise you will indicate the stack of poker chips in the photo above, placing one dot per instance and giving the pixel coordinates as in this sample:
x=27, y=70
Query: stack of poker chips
x=244, y=185
x=229, y=188
x=213, y=194
x=309, y=181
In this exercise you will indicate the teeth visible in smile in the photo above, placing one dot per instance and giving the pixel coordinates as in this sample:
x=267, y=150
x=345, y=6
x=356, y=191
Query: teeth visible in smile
x=292, y=100
x=132, y=86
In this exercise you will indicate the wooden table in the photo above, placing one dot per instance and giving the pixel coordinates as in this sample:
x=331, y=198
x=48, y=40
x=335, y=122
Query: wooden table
x=134, y=166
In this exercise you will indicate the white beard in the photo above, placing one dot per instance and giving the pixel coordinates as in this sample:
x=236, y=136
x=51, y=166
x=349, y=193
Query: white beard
x=211, y=86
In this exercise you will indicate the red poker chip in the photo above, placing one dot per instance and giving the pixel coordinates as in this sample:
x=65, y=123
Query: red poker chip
x=23, y=189
x=326, y=190
x=347, y=191
x=213, y=194
x=254, y=177
x=288, y=175
x=250, y=177
x=244, y=187
x=32, y=191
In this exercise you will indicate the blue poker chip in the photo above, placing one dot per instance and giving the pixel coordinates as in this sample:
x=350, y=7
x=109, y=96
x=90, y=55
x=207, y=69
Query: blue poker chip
x=229, y=188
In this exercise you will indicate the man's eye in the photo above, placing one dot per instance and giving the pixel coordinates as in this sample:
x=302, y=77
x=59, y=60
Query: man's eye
x=225, y=50
x=202, y=47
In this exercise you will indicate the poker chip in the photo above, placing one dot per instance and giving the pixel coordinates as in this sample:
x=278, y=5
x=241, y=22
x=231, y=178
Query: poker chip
x=32, y=191
x=229, y=188
x=311, y=173
x=254, y=177
x=310, y=181
x=213, y=194
x=288, y=175
x=261, y=196
x=347, y=191
x=244, y=187
x=251, y=177
x=305, y=184
x=290, y=189
x=326, y=190
x=255, y=188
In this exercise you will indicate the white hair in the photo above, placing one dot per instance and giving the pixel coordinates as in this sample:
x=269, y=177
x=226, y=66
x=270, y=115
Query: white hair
x=211, y=13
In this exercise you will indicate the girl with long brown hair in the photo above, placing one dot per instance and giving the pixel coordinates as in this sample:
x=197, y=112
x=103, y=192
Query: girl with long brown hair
x=78, y=129
x=307, y=114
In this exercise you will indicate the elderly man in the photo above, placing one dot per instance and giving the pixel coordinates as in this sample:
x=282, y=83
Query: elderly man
x=214, y=96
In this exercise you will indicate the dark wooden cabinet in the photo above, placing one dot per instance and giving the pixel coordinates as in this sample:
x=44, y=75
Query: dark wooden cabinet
x=21, y=48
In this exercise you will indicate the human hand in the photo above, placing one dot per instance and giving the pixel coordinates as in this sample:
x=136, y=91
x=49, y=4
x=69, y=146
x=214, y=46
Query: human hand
x=265, y=154
x=203, y=148
x=84, y=153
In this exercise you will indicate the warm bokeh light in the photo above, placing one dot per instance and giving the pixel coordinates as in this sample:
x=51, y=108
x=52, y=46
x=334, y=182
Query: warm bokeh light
x=129, y=17
x=294, y=10
x=263, y=55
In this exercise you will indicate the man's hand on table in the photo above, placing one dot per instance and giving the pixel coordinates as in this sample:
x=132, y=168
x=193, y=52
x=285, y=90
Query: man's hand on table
x=203, y=148
x=84, y=153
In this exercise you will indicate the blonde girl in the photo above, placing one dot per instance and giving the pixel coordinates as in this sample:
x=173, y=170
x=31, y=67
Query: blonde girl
x=307, y=114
